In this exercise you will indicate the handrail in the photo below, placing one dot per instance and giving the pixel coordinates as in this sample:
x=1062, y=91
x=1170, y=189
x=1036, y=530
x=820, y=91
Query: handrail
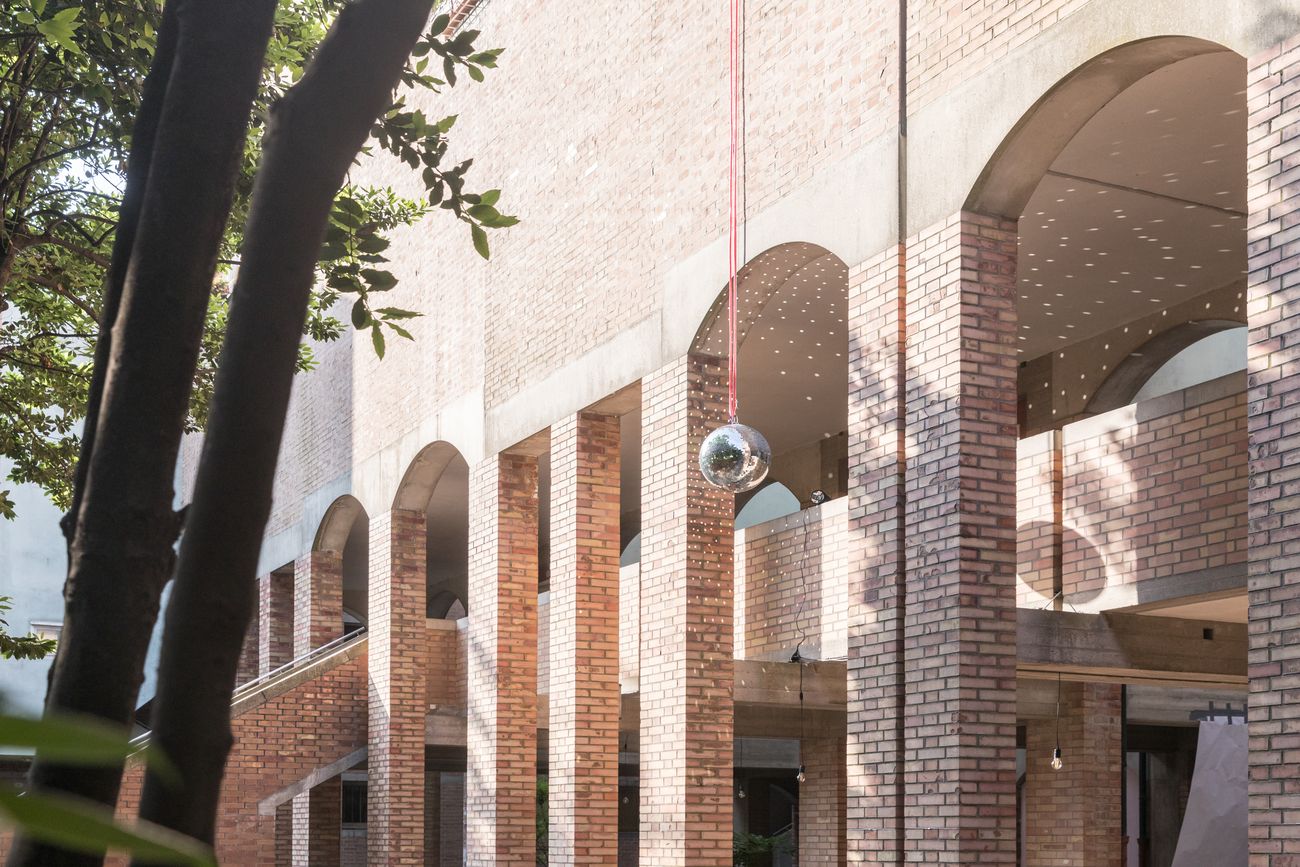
x=307, y=658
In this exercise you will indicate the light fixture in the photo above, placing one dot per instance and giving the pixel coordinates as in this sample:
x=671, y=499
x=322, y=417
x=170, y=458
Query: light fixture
x=797, y=658
x=1057, y=764
x=818, y=497
x=801, y=776
x=740, y=793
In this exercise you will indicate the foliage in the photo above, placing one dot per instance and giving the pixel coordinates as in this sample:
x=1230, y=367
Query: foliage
x=29, y=646
x=82, y=825
x=70, y=87
x=543, y=820
x=747, y=848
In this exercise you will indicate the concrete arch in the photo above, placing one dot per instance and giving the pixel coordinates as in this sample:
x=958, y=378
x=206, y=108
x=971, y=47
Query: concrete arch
x=1042, y=133
x=422, y=475
x=964, y=130
x=1128, y=377
x=336, y=524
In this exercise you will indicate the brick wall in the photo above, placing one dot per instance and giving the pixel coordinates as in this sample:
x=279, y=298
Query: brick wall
x=275, y=620
x=792, y=579
x=875, y=605
x=317, y=600
x=1156, y=489
x=1072, y=816
x=584, y=688
x=960, y=536
x=278, y=743
x=502, y=664
x=1038, y=519
x=446, y=670
x=687, y=555
x=397, y=689
x=1274, y=392
x=317, y=825
x=821, y=837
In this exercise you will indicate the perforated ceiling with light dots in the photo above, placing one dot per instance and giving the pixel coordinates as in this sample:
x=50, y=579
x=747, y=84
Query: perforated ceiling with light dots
x=1144, y=209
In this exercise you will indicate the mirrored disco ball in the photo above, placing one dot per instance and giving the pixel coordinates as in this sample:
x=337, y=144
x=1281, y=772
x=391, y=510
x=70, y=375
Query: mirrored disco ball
x=735, y=457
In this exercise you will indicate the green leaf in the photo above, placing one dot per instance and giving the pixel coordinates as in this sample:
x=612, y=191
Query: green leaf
x=377, y=338
x=447, y=123
x=475, y=73
x=380, y=281
x=360, y=316
x=480, y=240
x=484, y=213
x=439, y=25
x=83, y=826
x=397, y=313
x=400, y=330
x=490, y=197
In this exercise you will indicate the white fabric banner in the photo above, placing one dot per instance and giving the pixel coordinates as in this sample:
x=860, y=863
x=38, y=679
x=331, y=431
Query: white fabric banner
x=1215, y=824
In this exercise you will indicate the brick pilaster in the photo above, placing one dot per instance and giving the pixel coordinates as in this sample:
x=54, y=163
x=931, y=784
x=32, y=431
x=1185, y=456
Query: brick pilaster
x=274, y=620
x=584, y=691
x=398, y=657
x=876, y=302
x=821, y=802
x=501, y=786
x=1072, y=816
x=317, y=600
x=686, y=623
x=960, y=618
x=318, y=825
x=1273, y=140
x=248, y=668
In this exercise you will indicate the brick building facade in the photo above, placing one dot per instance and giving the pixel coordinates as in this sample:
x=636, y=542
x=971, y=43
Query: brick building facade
x=997, y=256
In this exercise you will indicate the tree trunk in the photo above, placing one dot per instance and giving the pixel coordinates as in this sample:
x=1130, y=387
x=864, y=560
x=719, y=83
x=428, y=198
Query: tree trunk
x=315, y=134
x=121, y=553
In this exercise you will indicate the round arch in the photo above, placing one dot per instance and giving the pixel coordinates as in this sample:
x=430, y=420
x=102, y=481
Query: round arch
x=1026, y=153
x=1124, y=383
x=421, y=477
x=336, y=524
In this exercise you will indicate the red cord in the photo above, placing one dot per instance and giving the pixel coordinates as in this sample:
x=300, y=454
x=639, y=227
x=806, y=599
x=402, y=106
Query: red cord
x=732, y=300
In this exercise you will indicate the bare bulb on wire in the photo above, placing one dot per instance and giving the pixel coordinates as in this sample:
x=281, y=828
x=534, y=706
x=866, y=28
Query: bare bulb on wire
x=1057, y=764
x=801, y=776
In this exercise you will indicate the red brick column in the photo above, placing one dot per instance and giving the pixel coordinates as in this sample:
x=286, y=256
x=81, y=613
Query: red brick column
x=317, y=600
x=1073, y=816
x=686, y=623
x=960, y=615
x=584, y=693
x=248, y=657
x=398, y=658
x=318, y=825
x=877, y=297
x=1273, y=392
x=501, y=786
x=274, y=620
x=821, y=802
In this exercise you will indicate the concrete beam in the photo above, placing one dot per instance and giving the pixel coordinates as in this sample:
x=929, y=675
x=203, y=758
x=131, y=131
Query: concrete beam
x=1130, y=648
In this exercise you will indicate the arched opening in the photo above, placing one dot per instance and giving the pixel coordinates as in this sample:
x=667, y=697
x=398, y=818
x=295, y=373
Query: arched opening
x=345, y=531
x=793, y=363
x=1128, y=182
x=437, y=484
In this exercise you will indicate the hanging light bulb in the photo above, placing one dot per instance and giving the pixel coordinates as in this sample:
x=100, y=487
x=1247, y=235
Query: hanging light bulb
x=801, y=776
x=1057, y=764
x=740, y=793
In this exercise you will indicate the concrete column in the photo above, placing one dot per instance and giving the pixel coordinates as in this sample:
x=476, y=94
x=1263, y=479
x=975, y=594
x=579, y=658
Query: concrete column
x=275, y=620
x=876, y=721
x=318, y=825
x=397, y=660
x=960, y=616
x=1072, y=816
x=686, y=623
x=584, y=691
x=317, y=600
x=501, y=803
x=1272, y=142
x=821, y=832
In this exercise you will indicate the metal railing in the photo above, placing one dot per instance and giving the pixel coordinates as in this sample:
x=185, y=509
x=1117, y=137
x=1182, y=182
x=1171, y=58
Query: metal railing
x=244, y=689
x=461, y=12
